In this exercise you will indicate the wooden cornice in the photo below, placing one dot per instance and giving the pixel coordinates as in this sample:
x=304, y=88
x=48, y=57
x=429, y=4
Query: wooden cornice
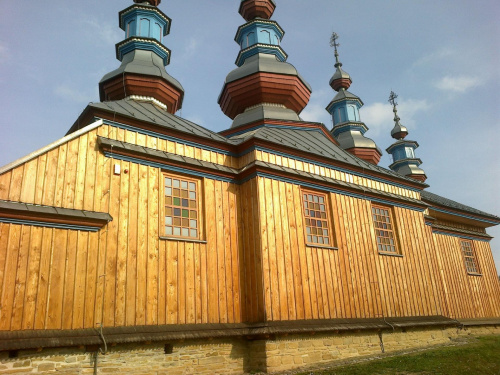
x=49, y=216
x=182, y=164
x=90, y=114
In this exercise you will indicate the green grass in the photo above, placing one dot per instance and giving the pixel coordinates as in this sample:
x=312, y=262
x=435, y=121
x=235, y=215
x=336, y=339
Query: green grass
x=481, y=356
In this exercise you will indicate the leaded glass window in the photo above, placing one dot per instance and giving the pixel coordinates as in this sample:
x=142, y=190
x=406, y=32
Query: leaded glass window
x=469, y=257
x=316, y=219
x=384, y=230
x=181, y=208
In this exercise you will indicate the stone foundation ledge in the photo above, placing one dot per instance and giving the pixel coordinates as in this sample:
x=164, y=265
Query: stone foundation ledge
x=276, y=354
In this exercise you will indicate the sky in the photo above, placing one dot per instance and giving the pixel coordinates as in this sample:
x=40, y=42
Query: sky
x=441, y=57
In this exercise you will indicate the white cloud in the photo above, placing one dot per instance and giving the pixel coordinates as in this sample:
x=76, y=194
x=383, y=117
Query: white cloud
x=107, y=32
x=315, y=110
x=190, y=48
x=71, y=94
x=458, y=84
x=380, y=118
x=444, y=53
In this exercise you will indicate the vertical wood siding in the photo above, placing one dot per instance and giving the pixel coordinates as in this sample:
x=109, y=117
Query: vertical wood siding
x=254, y=265
x=124, y=274
x=468, y=296
x=303, y=282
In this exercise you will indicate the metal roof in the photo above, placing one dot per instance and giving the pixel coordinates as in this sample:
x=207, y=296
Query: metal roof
x=436, y=199
x=315, y=142
x=149, y=112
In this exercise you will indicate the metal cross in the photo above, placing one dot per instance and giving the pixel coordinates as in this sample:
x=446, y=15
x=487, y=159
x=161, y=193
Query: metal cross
x=333, y=41
x=392, y=99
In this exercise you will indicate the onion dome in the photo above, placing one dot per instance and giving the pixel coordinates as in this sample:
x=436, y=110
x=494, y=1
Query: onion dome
x=403, y=151
x=251, y=9
x=142, y=73
x=264, y=85
x=348, y=129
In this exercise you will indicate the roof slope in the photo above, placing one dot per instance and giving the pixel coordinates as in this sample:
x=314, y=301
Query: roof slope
x=436, y=199
x=314, y=141
x=149, y=112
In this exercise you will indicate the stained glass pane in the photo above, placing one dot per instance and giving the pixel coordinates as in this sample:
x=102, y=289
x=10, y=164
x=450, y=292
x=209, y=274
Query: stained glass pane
x=181, y=208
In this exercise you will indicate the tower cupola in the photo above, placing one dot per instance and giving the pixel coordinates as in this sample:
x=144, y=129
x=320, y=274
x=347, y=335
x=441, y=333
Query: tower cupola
x=142, y=74
x=403, y=151
x=348, y=129
x=264, y=86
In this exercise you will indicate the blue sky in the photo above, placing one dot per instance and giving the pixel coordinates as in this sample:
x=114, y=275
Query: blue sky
x=441, y=57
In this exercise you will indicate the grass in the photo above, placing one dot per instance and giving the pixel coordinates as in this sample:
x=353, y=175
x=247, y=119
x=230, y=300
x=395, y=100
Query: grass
x=480, y=356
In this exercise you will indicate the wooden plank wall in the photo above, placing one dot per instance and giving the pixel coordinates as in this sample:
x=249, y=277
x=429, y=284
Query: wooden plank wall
x=254, y=267
x=251, y=254
x=468, y=296
x=352, y=282
x=123, y=275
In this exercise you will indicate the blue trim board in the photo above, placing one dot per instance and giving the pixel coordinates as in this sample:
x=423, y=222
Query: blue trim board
x=49, y=225
x=258, y=148
x=464, y=215
x=169, y=167
x=338, y=191
x=253, y=148
x=166, y=137
x=462, y=236
x=260, y=174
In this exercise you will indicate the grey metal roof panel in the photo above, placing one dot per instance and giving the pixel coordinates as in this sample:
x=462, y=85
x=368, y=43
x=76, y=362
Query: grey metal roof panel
x=51, y=210
x=262, y=62
x=148, y=112
x=436, y=199
x=314, y=141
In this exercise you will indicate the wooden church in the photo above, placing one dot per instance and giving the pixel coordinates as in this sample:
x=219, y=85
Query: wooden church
x=143, y=243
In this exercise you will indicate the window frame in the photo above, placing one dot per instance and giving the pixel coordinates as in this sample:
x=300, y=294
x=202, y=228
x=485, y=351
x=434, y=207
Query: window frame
x=473, y=257
x=199, y=209
x=393, y=231
x=328, y=219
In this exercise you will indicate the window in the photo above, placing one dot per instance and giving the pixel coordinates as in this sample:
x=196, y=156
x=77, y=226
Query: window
x=384, y=230
x=469, y=257
x=316, y=218
x=182, y=208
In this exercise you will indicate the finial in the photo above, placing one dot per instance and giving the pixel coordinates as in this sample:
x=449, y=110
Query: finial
x=399, y=131
x=392, y=99
x=334, y=44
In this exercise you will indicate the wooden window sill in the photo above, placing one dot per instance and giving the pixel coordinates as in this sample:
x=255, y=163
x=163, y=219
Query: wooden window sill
x=392, y=255
x=182, y=239
x=322, y=246
x=474, y=274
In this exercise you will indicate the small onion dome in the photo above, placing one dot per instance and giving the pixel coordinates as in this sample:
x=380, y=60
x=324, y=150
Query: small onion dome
x=151, y=2
x=251, y=9
x=399, y=131
x=341, y=79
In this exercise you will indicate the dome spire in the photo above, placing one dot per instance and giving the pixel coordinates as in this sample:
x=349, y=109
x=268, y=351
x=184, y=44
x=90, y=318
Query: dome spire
x=403, y=151
x=399, y=131
x=264, y=86
x=341, y=79
x=142, y=74
x=348, y=129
